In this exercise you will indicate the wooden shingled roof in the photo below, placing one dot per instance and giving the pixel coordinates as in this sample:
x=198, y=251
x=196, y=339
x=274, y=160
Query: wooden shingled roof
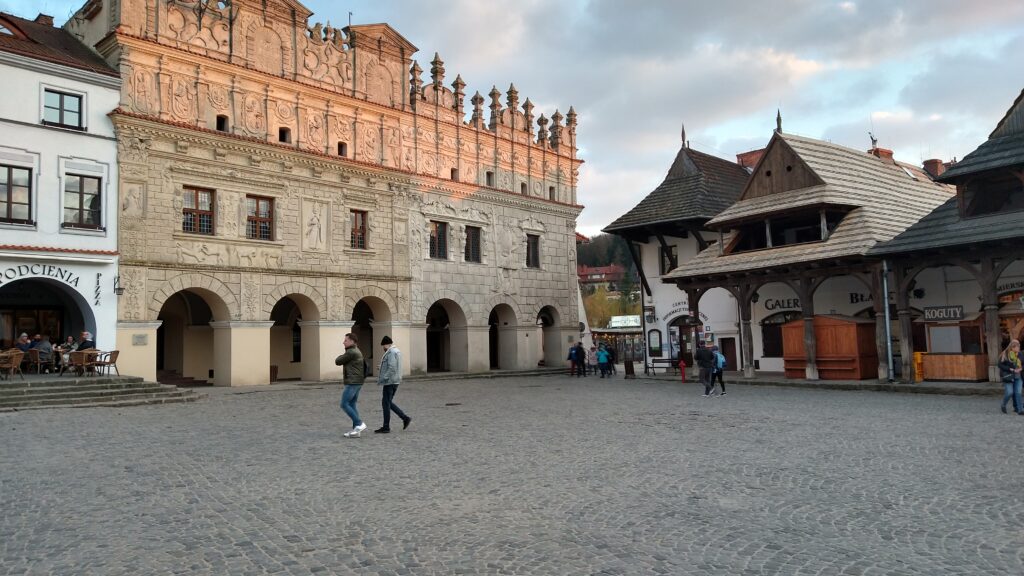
x=884, y=198
x=945, y=227
x=697, y=187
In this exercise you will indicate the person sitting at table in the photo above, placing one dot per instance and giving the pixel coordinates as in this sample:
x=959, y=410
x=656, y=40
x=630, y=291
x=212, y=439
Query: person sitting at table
x=45, y=351
x=23, y=344
x=85, y=342
x=66, y=349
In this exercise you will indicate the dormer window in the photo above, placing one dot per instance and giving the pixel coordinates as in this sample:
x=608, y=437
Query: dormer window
x=798, y=228
x=5, y=31
x=991, y=194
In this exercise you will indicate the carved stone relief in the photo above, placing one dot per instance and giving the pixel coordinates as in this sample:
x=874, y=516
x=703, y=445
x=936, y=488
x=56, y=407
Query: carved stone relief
x=265, y=51
x=392, y=147
x=369, y=145
x=133, y=282
x=218, y=96
x=285, y=111
x=315, y=130
x=255, y=120
x=183, y=99
x=132, y=149
x=143, y=92
x=336, y=296
x=250, y=296
x=227, y=206
x=133, y=204
x=316, y=220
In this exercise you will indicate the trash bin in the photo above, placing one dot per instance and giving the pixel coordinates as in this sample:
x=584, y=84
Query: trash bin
x=918, y=366
x=628, y=366
x=273, y=373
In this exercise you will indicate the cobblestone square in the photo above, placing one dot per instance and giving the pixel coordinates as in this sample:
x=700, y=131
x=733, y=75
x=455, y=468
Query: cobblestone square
x=549, y=475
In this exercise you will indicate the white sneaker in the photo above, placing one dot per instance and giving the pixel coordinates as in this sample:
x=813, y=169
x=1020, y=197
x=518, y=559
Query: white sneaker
x=359, y=428
x=353, y=433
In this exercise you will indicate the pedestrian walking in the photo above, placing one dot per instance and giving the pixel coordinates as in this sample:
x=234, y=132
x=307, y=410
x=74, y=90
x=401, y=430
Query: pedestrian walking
x=602, y=361
x=706, y=361
x=581, y=360
x=719, y=370
x=354, y=373
x=592, y=359
x=613, y=358
x=389, y=376
x=572, y=360
x=1010, y=373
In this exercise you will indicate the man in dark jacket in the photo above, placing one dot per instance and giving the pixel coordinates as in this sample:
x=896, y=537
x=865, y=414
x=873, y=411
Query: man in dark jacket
x=706, y=361
x=355, y=373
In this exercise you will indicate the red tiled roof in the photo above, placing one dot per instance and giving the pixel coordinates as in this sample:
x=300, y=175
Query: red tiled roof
x=42, y=41
x=610, y=269
x=581, y=239
x=55, y=249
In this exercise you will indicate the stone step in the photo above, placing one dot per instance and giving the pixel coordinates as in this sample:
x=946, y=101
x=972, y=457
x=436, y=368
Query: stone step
x=143, y=397
x=111, y=403
x=71, y=393
x=57, y=387
x=17, y=382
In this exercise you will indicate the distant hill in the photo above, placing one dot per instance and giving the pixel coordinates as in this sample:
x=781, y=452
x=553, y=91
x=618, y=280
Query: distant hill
x=603, y=250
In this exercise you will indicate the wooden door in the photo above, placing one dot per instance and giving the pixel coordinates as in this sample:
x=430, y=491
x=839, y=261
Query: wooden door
x=727, y=346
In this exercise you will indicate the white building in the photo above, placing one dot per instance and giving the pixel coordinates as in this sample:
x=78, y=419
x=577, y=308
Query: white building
x=58, y=185
x=666, y=229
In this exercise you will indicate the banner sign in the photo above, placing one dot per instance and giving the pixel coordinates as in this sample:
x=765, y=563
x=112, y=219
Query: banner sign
x=943, y=313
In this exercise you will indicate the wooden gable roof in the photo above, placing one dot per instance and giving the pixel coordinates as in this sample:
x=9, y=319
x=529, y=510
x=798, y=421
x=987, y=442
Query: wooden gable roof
x=697, y=187
x=780, y=169
x=884, y=198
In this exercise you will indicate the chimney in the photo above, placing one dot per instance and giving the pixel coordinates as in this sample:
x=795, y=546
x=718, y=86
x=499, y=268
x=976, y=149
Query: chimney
x=934, y=167
x=44, y=19
x=883, y=153
x=749, y=159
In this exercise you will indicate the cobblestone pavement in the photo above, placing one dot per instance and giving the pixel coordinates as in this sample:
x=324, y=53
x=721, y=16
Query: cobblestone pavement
x=518, y=476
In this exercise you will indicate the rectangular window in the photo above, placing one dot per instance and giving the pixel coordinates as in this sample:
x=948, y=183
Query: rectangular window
x=532, y=251
x=489, y=178
x=81, y=201
x=15, y=195
x=197, y=211
x=473, y=244
x=358, y=221
x=439, y=240
x=60, y=109
x=259, y=218
x=669, y=259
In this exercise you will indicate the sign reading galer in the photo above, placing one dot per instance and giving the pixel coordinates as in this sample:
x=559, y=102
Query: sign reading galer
x=943, y=313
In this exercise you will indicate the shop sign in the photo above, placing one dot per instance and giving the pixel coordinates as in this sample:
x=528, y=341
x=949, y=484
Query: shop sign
x=782, y=304
x=47, y=270
x=943, y=313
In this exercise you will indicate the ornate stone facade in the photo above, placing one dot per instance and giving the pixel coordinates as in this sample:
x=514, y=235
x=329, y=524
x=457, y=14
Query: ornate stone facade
x=247, y=100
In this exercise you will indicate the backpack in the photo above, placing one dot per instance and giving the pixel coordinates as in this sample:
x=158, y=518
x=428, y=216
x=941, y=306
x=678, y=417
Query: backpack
x=719, y=360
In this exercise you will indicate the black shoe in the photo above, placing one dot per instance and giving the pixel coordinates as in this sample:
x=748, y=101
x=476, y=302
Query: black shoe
x=1003, y=408
x=382, y=430
x=405, y=423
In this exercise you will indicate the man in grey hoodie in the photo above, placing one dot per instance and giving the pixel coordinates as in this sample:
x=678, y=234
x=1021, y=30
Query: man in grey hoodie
x=390, y=376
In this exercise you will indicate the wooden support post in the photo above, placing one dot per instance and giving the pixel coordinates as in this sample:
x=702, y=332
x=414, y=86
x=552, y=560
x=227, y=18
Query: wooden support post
x=693, y=299
x=810, y=343
x=990, y=303
x=906, y=326
x=879, y=302
x=746, y=333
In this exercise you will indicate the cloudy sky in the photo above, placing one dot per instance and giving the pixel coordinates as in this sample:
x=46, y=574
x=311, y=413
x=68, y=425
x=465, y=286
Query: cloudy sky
x=930, y=78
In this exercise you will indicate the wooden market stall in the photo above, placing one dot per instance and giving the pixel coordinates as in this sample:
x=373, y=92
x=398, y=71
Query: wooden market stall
x=845, y=348
x=956, y=347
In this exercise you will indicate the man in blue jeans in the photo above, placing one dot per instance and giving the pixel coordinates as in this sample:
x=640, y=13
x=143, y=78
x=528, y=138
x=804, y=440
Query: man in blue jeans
x=389, y=377
x=355, y=373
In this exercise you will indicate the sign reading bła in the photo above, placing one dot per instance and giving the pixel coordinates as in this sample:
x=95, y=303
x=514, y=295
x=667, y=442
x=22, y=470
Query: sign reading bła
x=34, y=270
x=943, y=313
